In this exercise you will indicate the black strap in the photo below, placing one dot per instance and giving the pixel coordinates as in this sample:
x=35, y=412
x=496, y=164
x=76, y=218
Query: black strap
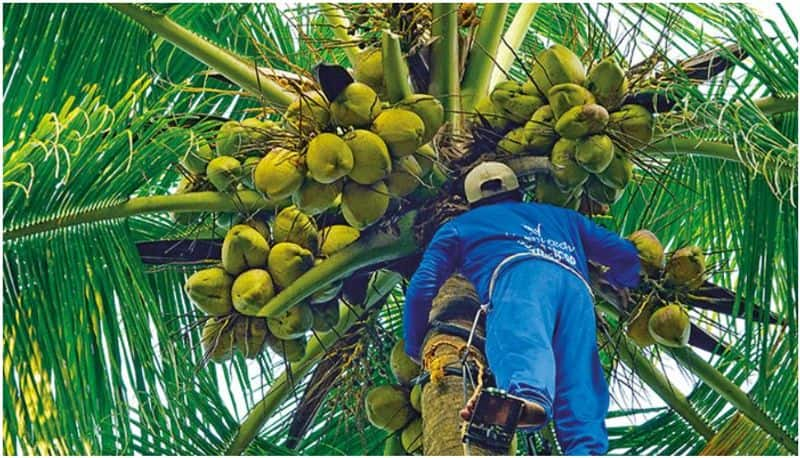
x=478, y=341
x=455, y=369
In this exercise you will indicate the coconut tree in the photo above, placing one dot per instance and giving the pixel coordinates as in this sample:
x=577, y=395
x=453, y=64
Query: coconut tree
x=102, y=346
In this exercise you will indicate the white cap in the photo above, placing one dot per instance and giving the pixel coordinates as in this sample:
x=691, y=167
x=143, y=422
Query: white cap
x=483, y=174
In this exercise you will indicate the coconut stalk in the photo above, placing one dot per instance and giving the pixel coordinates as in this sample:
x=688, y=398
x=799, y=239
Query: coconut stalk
x=481, y=60
x=339, y=24
x=283, y=385
x=230, y=65
x=774, y=105
x=445, y=76
x=395, y=69
x=512, y=40
x=206, y=201
x=384, y=245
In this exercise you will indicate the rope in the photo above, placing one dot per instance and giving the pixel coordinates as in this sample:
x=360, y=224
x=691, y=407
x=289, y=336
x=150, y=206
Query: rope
x=465, y=369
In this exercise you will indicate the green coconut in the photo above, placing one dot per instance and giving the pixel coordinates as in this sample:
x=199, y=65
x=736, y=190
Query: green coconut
x=260, y=226
x=387, y=407
x=363, y=205
x=631, y=127
x=292, y=225
x=567, y=173
x=513, y=102
x=250, y=335
x=308, y=113
x=243, y=248
x=415, y=398
x=368, y=69
x=562, y=97
x=581, y=121
x=251, y=291
x=293, y=323
x=198, y=154
x=287, y=262
x=402, y=131
x=248, y=170
x=371, y=159
x=280, y=173
x=548, y=192
x=210, y=290
x=429, y=109
x=540, y=133
x=233, y=136
x=487, y=112
x=223, y=172
x=356, y=106
x=291, y=350
x=326, y=314
x=608, y=83
x=686, y=268
x=619, y=172
x=651, y=252
x=217, y=339
x=594, y=153
x=426, y=157
x=314, y=198
x=328, y=158
x=514, y=142
x=601, y=193
x=337, y=237
x=555, y=65
x=670, y=326
x=403, y=367
x=411, y=437
x=393, y=446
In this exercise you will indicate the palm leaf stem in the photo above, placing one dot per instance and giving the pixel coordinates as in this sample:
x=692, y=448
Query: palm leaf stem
x=282, y=387
x=481, y=59
x=445, y=76
x=395, y=69
x=233, y=67
x=774, y=105
x=339, y=23
x=512, y=40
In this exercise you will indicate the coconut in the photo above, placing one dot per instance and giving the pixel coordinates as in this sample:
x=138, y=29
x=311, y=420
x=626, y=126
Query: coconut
x=429, y=109
x=185, y=186
x=638, y=324
x=651, y=252
x=243, y=248
x=368, y=69
x=619, y=172
x=328, y=158
x=401, y=184
x=223, y=172
x=260, y=226
x=336, y=237
x=250, y=335
x=251, y=291
x=387, y=407
x=582, y=120
x=548, y=192
x=287, y=262
x=217, y=339
x=326, y=314
x=486, y=112
x=686, y=268
x=514, y=142
x=513, y=102
x=314, y=198
x=555, y=65
x=232, y=136
x=411, y=437
x=291, y=350
x=364, y=205
x=210, y=290
x=393, y=446
x=403, y=367
x=562, y=97
x=198, y=153
x=248, y=169
x=292, y=225
x=357, y=105
x=594, y=153
x=401, y=130
x=415, y=398
x=539, y=131
x=308, y=113
x=608, y=83
x=292, y=323
x=631, y=127
x=371, y=159
x=670, y=326
x=425, y=157
x=280, y=173
x=601, y=193
x=567, y=173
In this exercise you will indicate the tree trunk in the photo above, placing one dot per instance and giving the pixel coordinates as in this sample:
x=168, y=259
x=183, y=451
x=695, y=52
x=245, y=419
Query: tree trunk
x=443, y=396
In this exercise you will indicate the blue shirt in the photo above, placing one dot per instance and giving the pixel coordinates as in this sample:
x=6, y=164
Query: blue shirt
x=477, y=242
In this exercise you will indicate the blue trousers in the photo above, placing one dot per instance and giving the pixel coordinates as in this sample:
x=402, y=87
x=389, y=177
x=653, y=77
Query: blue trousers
x=541, y=344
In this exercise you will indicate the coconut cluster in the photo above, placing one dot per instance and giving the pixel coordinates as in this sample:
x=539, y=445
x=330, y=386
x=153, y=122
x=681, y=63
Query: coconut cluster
x=575, y=118
x=257, y=263
x=396, y=408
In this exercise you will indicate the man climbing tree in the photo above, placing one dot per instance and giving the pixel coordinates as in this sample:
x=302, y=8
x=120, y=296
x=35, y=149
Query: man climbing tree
x=529, y=264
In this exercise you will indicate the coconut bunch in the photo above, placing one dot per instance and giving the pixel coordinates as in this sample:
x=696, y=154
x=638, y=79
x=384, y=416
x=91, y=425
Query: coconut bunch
x=257, y=263
x=574, y=118
x=656, y=321
x=396, y=408
x=685, y=269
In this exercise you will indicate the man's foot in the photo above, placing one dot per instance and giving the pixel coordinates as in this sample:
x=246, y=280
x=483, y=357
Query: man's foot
x=532, y=413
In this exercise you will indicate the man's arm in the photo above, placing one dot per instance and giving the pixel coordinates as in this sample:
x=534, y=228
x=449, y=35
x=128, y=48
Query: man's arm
x=438, y=263
x=611, y=250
